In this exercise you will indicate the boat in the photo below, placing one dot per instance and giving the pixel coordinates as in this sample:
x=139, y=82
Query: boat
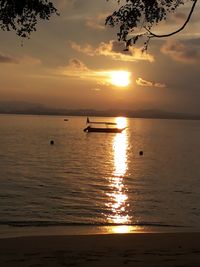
x=105, y=127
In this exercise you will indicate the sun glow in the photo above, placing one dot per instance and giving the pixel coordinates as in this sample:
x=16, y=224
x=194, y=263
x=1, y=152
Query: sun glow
x=120, y=78
x=121, y=122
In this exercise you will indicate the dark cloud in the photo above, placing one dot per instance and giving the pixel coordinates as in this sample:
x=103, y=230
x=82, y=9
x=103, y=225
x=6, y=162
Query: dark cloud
x=77, y=64
x=193, y=41
x=181, y=52
x=119, y=47
x=8, y=59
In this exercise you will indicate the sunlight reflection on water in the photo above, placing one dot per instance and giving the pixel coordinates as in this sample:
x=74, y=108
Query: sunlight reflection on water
x=118, y=199
x=124, y=229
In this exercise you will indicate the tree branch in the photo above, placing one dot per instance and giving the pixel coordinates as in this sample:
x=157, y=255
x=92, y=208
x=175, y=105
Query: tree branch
x=175, y=32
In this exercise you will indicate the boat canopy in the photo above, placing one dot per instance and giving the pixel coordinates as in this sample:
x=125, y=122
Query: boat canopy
x=101, y=122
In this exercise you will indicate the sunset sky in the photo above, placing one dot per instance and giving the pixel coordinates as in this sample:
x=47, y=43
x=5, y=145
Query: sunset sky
x=72, y=62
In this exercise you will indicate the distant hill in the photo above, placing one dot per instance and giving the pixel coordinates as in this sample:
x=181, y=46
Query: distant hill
x=20, y=107
x=9, y=106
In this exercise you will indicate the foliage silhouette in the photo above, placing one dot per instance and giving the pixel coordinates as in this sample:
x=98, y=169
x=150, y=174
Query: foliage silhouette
x=136, y=19
x=22, y=15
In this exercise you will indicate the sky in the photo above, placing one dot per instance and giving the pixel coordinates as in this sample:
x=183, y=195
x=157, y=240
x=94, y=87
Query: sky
x=72, y=61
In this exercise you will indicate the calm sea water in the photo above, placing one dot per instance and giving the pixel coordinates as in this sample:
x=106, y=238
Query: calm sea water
x=99, y=179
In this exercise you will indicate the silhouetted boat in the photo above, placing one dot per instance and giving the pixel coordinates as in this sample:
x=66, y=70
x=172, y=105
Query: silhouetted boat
x=106, y=127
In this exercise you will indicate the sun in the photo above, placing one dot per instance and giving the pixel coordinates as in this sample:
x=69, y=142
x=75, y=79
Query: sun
x=121, y=122
x=120, y=78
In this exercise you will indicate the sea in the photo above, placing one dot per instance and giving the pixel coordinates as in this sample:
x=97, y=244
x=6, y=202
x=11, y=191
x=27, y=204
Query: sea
x=145, y=179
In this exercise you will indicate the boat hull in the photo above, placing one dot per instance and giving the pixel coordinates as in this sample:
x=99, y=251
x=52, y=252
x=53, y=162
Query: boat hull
x=103, y=130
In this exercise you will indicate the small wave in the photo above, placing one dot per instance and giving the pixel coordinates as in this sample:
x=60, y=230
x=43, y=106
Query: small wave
x=4, y=196
x=57, y=223
x=183, y=192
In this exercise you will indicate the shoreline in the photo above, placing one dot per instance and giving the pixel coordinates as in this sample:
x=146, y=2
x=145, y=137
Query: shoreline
x=138, y=249
x=7, y=231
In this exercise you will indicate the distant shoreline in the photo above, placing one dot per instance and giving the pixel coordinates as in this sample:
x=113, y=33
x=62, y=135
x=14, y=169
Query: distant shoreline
x=137, y=115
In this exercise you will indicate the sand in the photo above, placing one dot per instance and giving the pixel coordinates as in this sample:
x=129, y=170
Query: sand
x=154, y=250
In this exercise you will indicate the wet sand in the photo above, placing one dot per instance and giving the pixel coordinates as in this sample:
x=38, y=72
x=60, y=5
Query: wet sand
x=154, y=250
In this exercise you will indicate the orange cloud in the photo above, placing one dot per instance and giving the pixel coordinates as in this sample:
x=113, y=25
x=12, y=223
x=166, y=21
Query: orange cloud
x=114, y=50
x=79, y=70
x=142, y=82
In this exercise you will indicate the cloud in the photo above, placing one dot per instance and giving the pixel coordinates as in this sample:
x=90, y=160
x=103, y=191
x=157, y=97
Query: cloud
x=87, y=49
x=28, y=60
x=114, y=50
x=176, y=18
x=178, y=51
x=97, y=23
x=8, y=59
x=76, y=64
x=78, y=70
x=65, y=3
x=182, y=15
x=193, y=42
x=96, y=89
x=142, y=82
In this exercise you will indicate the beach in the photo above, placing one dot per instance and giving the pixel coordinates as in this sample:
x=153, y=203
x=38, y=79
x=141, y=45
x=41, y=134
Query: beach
x=144, y=249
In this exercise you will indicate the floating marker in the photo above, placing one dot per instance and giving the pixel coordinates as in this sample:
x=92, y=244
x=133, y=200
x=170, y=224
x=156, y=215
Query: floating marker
x=141, y=153
x=51, y=142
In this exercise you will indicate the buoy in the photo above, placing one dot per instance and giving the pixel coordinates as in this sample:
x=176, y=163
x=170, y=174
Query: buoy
x=51, y=142
x=141, y=153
